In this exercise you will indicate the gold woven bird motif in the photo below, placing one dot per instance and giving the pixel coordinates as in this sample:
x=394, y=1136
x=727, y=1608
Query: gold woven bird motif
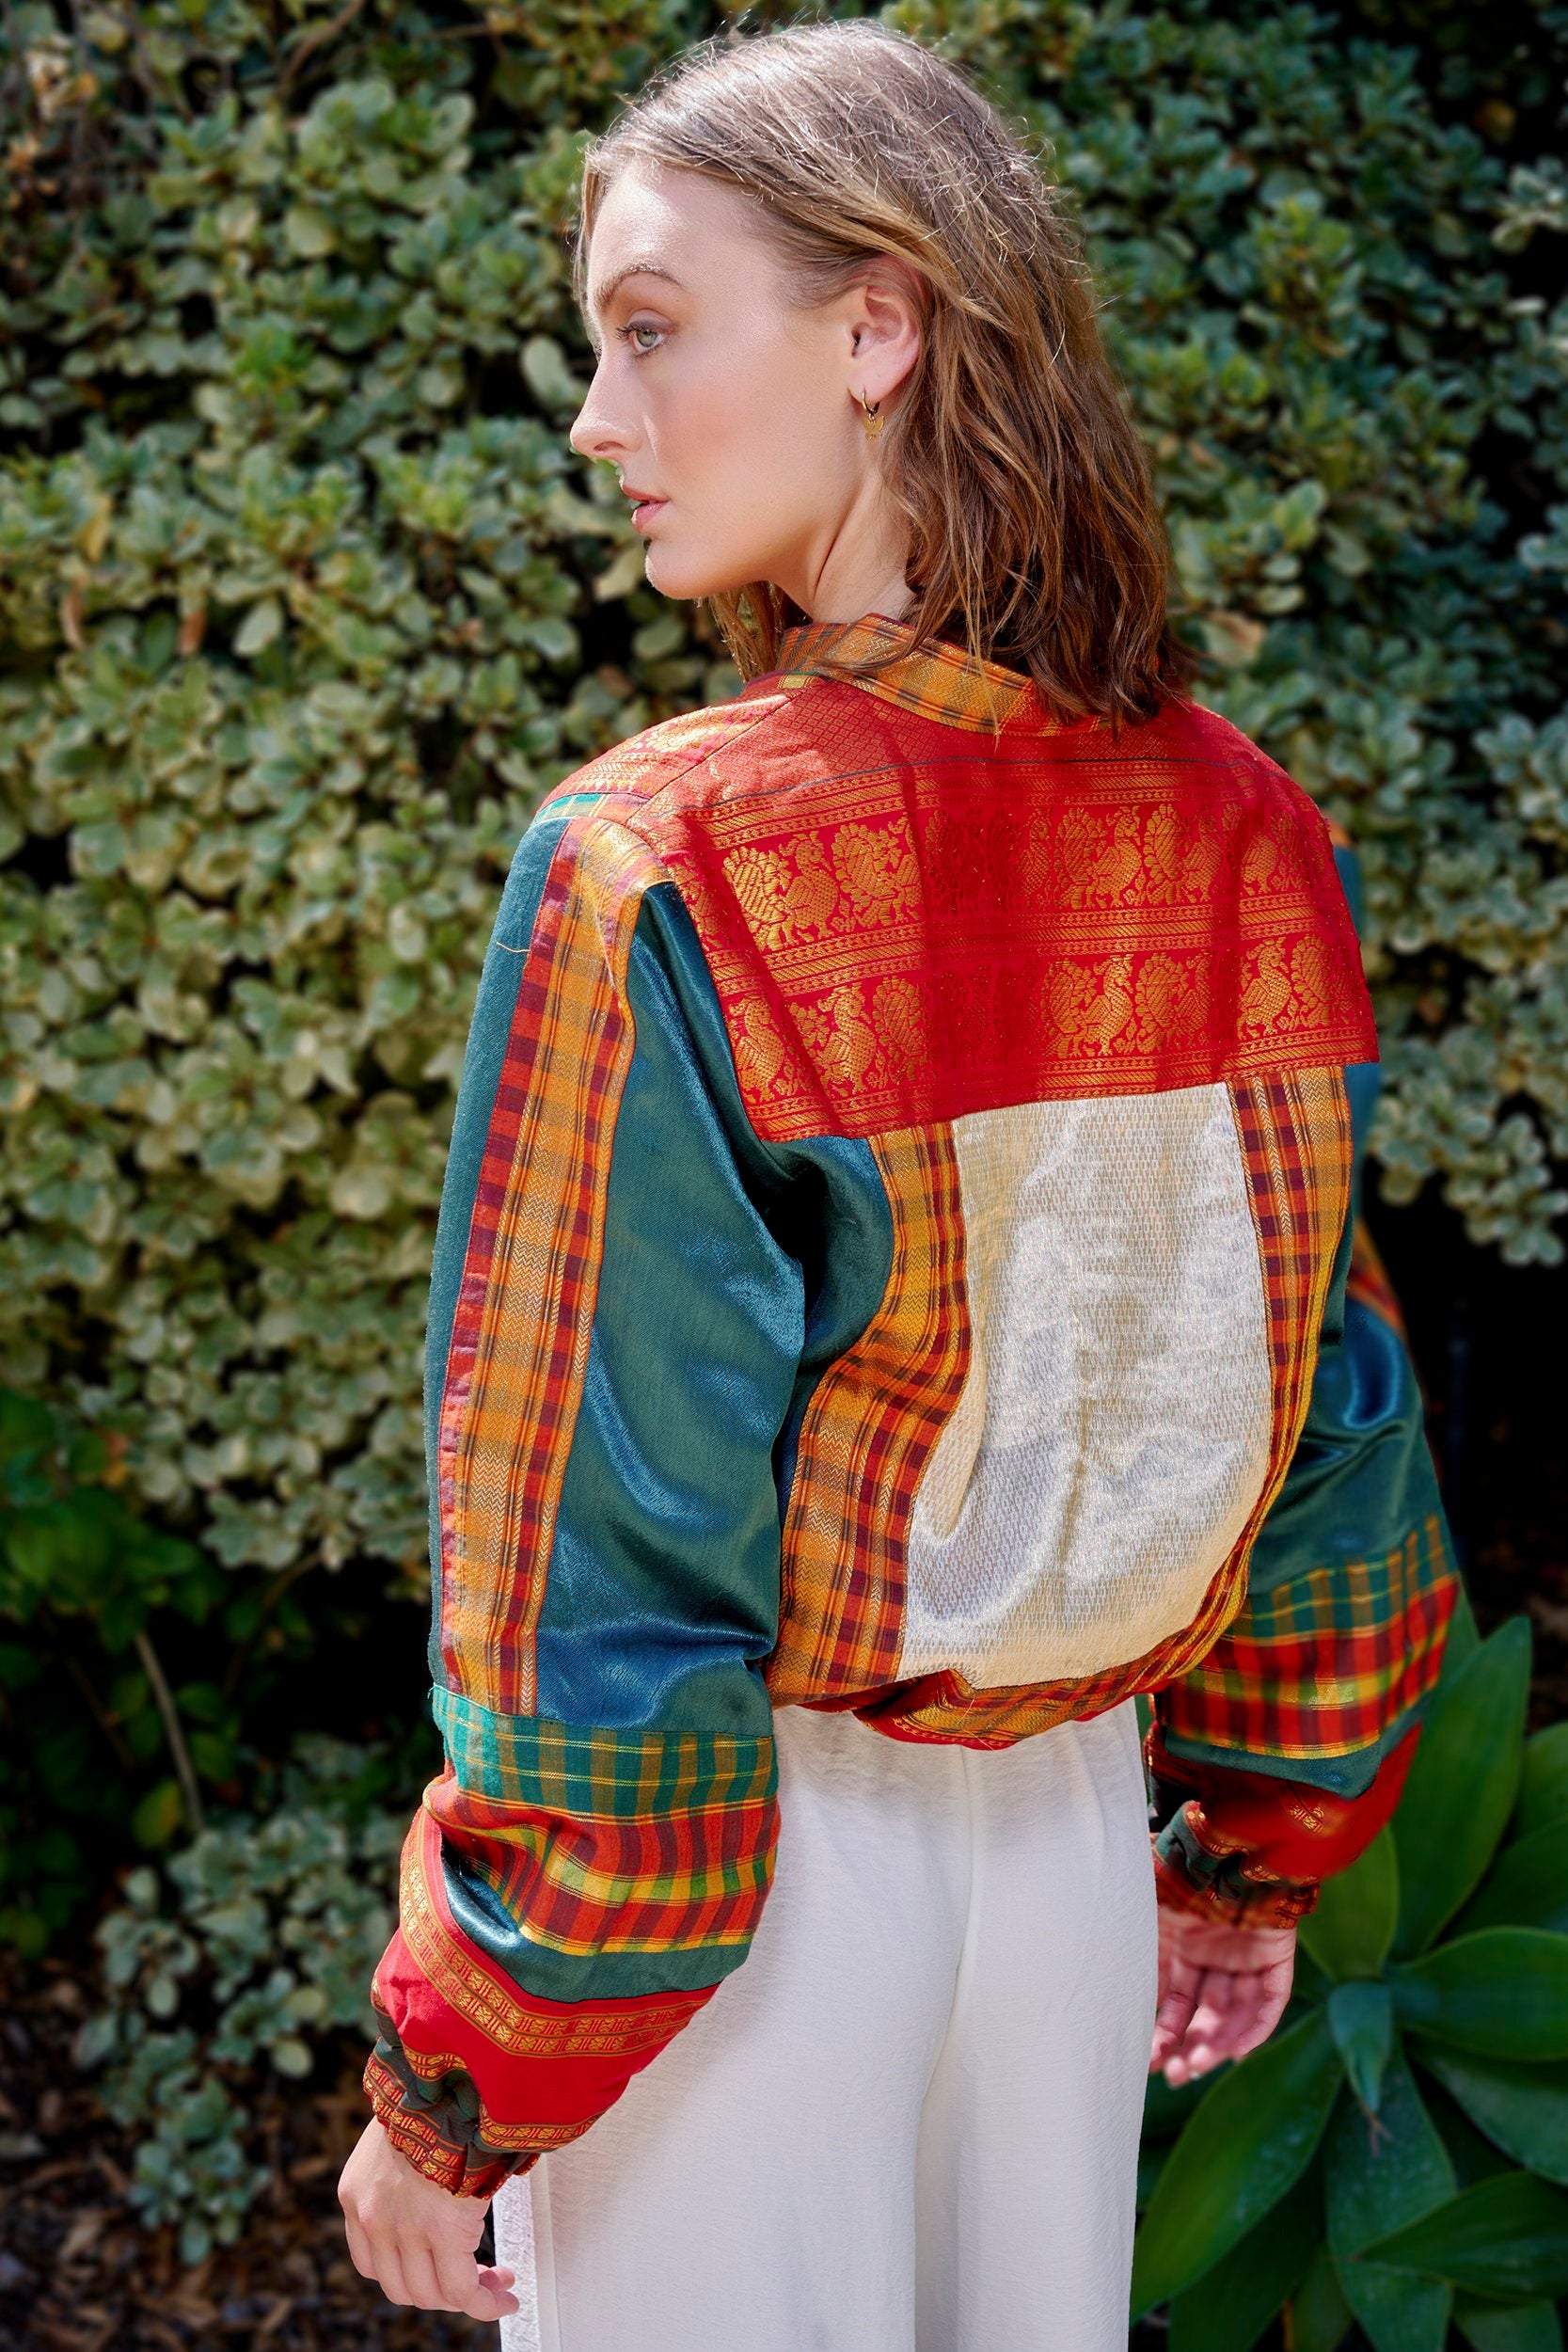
x=1268, y=993
x=899, y=1014
x=1172, y=999
x=784, y=892
x=760, y=1051
x=1181, y=857
x=878, y=871
x=1260, y=862
x=840, y=1039
x=1092, y=1004
x=1100, y=858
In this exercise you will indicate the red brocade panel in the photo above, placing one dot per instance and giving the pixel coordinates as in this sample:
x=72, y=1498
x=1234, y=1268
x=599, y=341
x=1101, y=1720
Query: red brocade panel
x=936, y=921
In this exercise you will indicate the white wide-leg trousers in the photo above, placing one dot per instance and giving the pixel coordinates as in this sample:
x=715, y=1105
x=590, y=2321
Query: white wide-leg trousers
x=909, y=2122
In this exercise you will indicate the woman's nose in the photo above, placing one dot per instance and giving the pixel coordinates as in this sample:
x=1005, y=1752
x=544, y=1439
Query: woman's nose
x=593, y=434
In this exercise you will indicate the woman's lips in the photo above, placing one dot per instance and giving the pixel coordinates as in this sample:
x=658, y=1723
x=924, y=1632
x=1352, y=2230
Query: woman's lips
x=640, y=513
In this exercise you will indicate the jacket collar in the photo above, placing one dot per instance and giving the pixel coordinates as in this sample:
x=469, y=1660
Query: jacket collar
x=941, y=681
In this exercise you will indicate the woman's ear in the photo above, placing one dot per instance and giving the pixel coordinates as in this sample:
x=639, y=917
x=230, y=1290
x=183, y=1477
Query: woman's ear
x=884, y=324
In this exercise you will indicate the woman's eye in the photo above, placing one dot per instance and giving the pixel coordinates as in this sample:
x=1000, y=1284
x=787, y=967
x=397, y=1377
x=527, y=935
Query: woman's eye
x=626, y=333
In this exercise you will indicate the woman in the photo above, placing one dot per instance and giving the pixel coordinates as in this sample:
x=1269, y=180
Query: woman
x=890, y=1307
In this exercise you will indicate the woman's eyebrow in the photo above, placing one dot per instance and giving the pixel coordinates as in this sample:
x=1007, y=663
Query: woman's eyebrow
x=597, y=303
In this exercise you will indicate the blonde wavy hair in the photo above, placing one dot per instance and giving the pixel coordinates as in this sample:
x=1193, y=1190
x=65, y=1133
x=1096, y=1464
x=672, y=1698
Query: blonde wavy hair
x=1036, y=540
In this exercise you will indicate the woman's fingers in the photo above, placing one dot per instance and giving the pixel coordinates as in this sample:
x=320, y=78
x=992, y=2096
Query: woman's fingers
x=1235, y=2012
x=431, y=2277
x=465, y=2285
x=1179, y=1995
x=1272, y=1991
x=1223, y=1990
x=388, y=2272
x=1203, y=2041
x=372, y=2257
x=427, y=2290
x=496, y=2285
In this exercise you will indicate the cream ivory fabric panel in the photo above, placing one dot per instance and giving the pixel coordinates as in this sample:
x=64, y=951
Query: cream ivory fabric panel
x=1112, y=1433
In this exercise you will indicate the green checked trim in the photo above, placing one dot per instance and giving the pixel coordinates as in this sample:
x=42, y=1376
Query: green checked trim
x=594, y=1771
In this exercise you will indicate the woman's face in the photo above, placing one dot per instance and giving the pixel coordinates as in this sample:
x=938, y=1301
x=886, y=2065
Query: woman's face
x=734, y=413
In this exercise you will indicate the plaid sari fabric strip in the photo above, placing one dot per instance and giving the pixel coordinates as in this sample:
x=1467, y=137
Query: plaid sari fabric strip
x=595, y=1839
x=1297, y=1147
x=520, y=1334
x=867, y=1436
x=1324, y=1665
x=941, y=681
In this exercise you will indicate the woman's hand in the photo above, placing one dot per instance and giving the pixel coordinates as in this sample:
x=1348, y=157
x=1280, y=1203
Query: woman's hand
x=416, y=2240
x=1223, y=1991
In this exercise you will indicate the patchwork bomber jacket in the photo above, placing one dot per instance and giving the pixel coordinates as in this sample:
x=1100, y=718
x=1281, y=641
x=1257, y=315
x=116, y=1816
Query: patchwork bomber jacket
x=898, y=1253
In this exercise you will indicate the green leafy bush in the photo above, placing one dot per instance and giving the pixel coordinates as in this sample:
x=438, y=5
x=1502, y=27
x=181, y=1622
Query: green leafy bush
x=81, y=1680
x=240, y=1958
x=140, y=1684
x=1398, y=2154
x=305, y=600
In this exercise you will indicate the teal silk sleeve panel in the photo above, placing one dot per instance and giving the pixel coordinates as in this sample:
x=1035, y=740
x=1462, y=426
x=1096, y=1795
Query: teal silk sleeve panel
x=823, y=1194
x=661, y=1597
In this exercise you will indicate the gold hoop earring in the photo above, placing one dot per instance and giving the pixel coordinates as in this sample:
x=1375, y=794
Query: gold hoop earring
x=873, y=418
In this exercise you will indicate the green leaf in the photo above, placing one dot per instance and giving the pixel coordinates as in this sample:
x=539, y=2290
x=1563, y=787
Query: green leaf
x=1250, y=2140
x=1543, y=1781
x=1521, y=2107
x=1361, y=2019
x=159, y=1815
x=1384, y=2171
x=1168, y=2106
x=1231, y=2305
x=1153, y=2155
x=262, y=623
x=1473, y=2155
x=1320, y=2317
x=196, y=2239
x=1462, y=1785
x=1525, y=1887
x=1381, y=2172
x=1508, y=2327
x=97, y=2038
x=1352, y=1927
x=1507, y=2237
x=1464, y=1635
x=309, y=232
x=1503, y=1993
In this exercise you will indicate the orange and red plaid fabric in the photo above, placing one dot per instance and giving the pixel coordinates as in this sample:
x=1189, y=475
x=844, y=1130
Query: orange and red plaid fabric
x=1323, y=1666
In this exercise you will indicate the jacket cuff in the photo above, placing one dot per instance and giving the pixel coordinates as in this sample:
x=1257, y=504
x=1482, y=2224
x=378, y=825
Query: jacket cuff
x=1192, y=1875
x=1250, y=1848
x=432, y=2113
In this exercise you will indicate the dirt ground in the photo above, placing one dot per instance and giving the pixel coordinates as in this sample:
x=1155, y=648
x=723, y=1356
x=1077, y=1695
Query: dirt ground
x=78, y=2273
